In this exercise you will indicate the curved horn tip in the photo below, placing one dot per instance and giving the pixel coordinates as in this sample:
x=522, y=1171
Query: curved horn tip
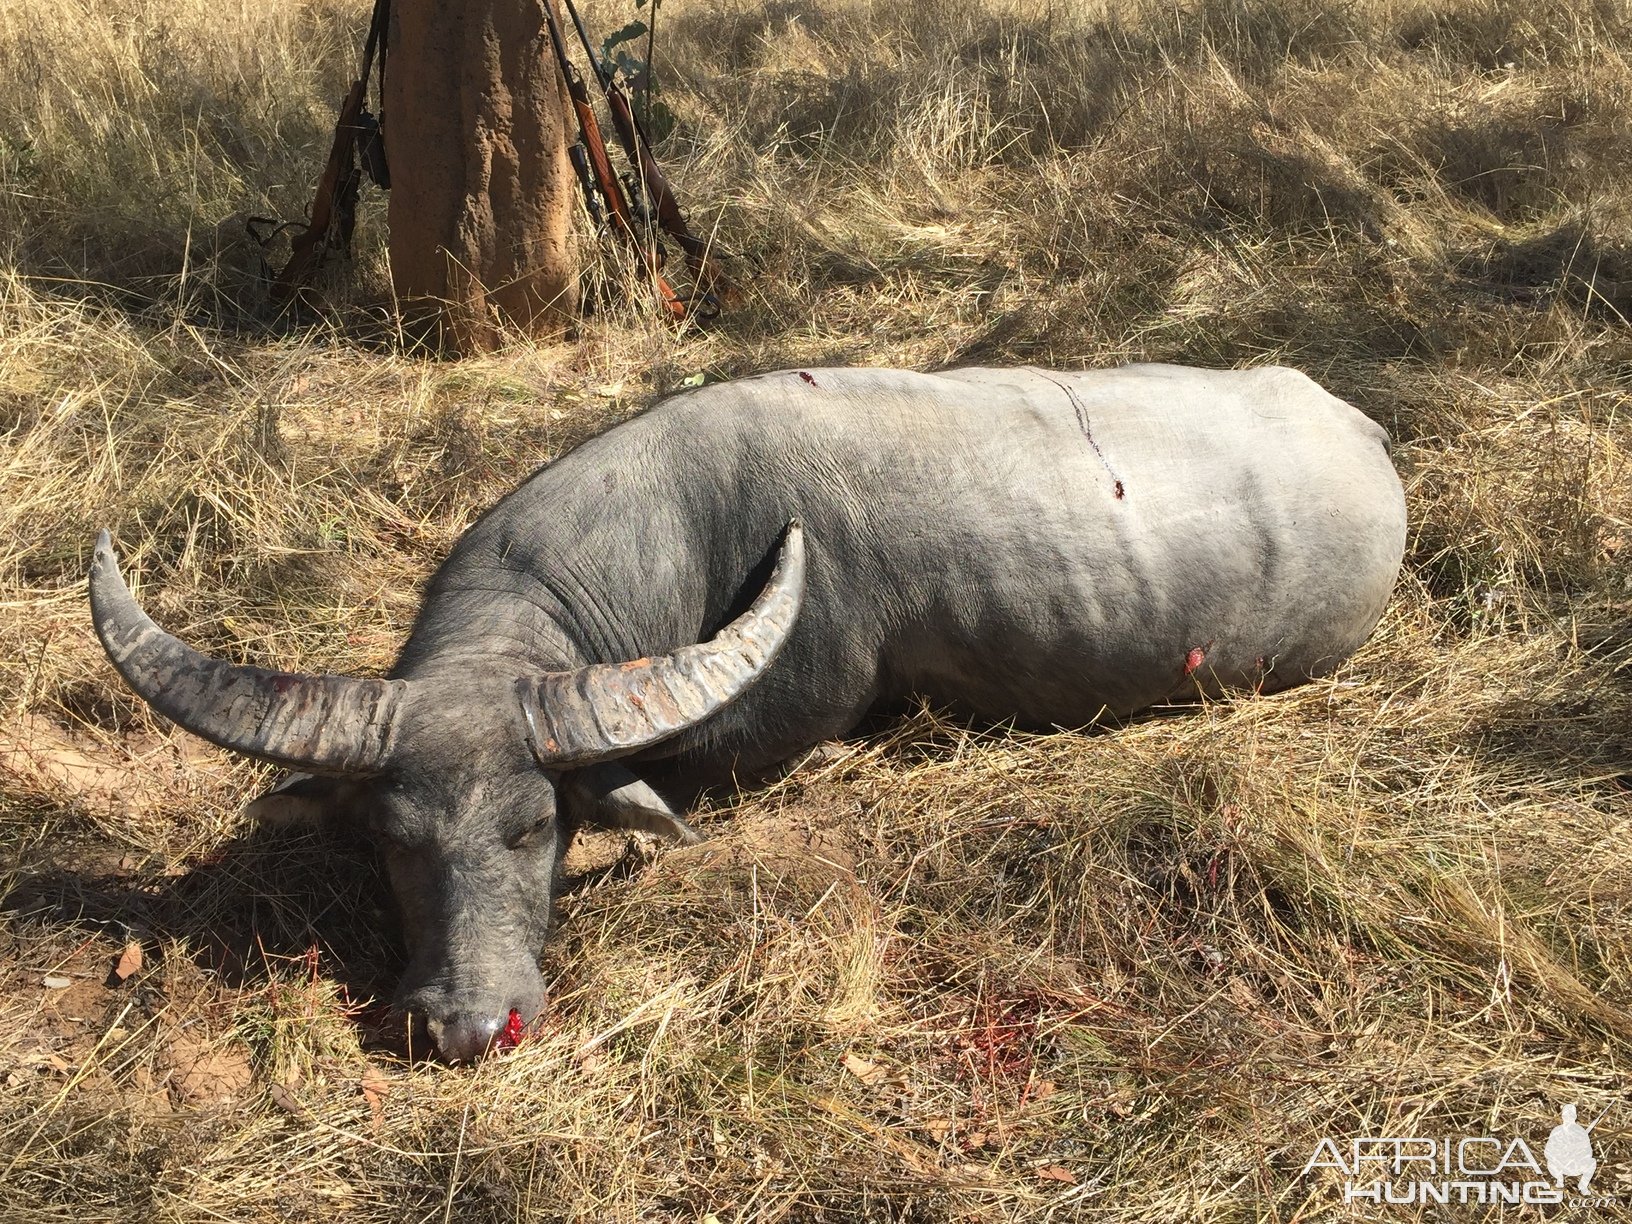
x=318, y=724
x=105, y=581
x=104, y=561
x=792, y=543
x=601, y=711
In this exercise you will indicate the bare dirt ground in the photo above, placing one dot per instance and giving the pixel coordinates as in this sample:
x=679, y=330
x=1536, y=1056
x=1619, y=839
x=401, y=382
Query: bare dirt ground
x=935, y=973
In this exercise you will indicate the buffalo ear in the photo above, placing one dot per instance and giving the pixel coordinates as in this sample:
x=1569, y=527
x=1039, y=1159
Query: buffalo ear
x=303, y=799
x=613, y=798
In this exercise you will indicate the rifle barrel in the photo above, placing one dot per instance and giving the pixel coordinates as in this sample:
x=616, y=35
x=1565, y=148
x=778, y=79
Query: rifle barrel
x=600, y=164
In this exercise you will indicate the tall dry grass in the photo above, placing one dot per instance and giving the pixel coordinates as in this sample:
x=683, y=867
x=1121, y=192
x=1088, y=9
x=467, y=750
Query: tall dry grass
x=939, y=973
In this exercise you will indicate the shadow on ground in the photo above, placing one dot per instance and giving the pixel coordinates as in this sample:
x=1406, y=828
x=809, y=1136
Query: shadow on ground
x=1568, y=264
x=257, y=902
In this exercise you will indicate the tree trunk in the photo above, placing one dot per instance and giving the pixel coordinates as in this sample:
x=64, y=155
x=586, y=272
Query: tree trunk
x=482, y=192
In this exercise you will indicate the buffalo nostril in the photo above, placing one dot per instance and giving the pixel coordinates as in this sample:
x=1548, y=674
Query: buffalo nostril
x=463, y=1037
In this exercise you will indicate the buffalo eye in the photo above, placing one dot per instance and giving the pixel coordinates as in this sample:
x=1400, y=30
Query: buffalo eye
x=389, y=840
x=392, y=834
x=531, y=833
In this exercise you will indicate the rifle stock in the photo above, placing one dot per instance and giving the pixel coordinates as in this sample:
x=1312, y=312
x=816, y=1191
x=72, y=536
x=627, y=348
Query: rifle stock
x=606, y=180
x=710, y=277
x=339, y=180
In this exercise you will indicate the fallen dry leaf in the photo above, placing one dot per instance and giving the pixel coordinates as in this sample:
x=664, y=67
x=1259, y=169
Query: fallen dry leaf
x=1123, y=1096
x=130, y=960
x=1040, y=1090
x=1057, y=1173
x=34, y=1059
x=869, y=1073
x=375, y=1086
x=286, y=1101
x=937, y=1128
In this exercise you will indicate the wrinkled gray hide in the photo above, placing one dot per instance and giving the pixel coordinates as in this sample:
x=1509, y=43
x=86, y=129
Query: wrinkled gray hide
x=1015, y=544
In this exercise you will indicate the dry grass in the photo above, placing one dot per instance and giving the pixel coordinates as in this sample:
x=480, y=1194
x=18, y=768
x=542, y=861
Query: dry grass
x=937, y=974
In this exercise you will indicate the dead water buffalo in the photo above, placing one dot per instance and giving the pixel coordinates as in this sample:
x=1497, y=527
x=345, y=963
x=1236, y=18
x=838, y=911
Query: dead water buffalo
x=751, y=567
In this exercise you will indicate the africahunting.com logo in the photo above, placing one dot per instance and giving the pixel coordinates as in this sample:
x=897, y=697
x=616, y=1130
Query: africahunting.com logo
x=1418, y=1169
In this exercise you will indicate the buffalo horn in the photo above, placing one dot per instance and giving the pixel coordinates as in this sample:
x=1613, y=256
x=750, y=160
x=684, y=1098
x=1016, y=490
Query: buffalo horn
x=321, y=724
x=606, y=710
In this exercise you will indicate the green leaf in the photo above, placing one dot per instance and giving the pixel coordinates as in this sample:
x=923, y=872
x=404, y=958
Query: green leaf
x=630, y=32
x=660, y=119
x=634, y=69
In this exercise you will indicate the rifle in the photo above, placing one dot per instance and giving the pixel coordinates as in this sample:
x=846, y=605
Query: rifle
x=579, y=157
x=596, y=170
x=654, y=183
x=334, y=206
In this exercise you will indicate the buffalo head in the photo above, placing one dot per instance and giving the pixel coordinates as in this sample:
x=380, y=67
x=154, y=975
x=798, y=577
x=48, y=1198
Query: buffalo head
x=459, y=774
